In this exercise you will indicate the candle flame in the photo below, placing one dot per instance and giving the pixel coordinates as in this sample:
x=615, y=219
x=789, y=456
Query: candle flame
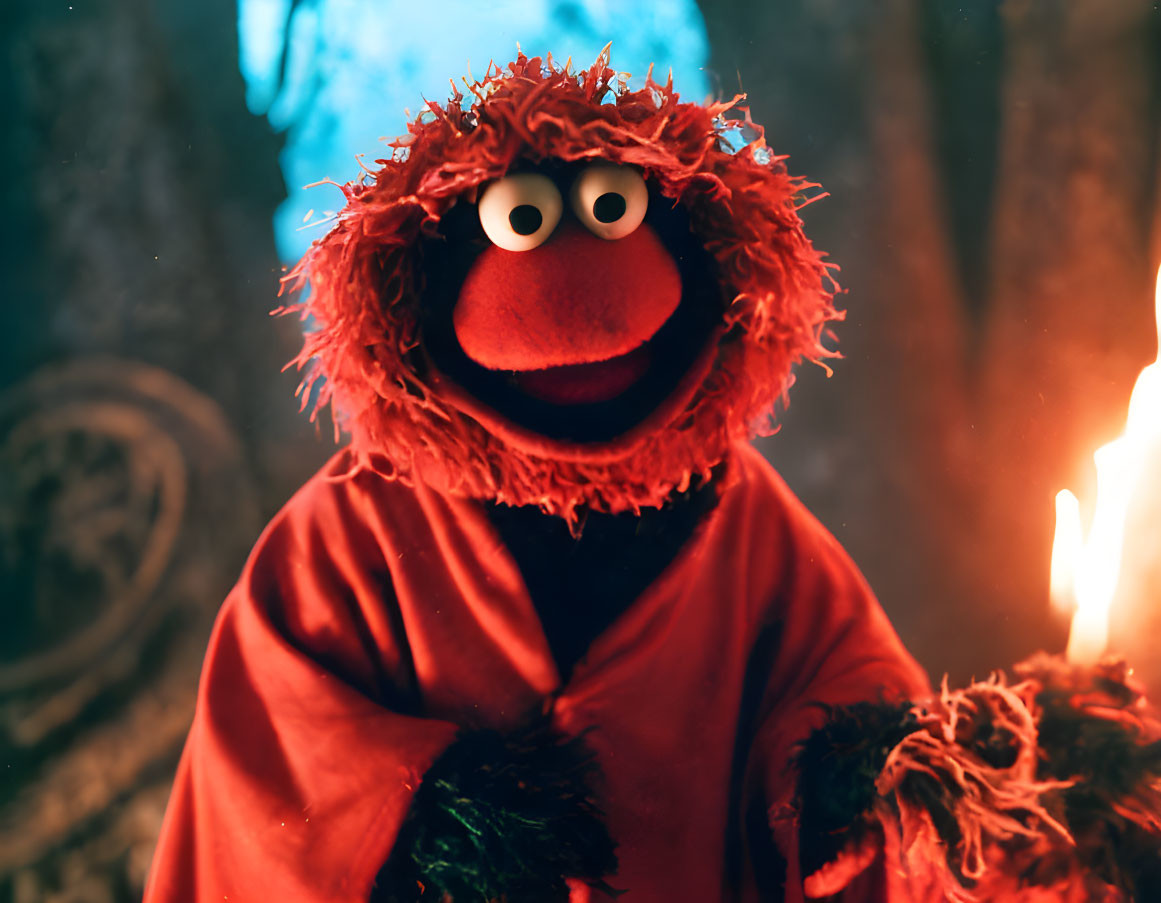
x=1066, y=548
x=1085, y=571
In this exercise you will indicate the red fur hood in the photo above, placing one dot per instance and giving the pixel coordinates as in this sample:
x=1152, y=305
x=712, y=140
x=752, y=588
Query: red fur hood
x=365, y=282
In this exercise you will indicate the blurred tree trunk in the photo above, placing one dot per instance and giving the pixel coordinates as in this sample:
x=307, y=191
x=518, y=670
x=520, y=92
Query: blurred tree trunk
x=145, y=431
x=993, y=170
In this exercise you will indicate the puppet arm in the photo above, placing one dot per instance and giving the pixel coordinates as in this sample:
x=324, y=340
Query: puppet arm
x=302, y=759
x=837, y=648
x=308, y=765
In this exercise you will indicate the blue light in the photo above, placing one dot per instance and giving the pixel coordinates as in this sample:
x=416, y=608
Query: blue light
x=336, y=75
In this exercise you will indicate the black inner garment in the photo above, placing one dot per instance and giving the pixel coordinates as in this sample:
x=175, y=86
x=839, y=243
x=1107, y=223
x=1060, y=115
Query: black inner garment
x=579, y=586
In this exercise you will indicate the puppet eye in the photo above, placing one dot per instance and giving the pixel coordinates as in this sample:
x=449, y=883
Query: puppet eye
x=519, y=212
x=610, y=200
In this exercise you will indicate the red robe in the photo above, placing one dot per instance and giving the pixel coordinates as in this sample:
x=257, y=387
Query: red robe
x=373, y=619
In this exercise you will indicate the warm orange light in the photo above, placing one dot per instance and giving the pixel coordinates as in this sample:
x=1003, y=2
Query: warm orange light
x=1085, y=572
x=1066, y=547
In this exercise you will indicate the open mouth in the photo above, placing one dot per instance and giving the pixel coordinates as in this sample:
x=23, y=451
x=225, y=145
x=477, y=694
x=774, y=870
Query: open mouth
x=574, y=384
x=593, y=402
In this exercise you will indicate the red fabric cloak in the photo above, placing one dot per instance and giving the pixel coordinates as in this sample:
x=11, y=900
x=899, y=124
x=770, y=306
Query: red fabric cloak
x=375, y=618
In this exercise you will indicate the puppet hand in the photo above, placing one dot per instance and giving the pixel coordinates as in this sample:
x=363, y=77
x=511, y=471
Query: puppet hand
x=837, y=769
x=850, y=862
x=501, y=817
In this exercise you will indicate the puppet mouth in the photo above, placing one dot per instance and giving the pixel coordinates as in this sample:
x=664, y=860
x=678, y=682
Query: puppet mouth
x=585, y=383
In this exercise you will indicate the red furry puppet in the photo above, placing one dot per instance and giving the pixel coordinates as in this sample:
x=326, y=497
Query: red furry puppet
x=548, y=629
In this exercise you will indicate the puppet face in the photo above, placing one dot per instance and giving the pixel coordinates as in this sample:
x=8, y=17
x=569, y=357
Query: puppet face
x=571, y=300
x=492, y=322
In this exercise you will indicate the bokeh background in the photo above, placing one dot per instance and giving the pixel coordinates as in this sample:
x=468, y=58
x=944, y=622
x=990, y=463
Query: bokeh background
x=993, y=170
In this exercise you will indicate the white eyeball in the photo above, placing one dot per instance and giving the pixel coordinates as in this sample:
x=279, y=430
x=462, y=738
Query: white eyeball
x=519, y=212
x=610, y=200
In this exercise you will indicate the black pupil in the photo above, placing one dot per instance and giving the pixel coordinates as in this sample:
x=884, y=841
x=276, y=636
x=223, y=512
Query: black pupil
x=609, y=207
x=525, y=219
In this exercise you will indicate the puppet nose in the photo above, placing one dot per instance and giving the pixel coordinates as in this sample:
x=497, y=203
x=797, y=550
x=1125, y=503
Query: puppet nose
x=576, y=299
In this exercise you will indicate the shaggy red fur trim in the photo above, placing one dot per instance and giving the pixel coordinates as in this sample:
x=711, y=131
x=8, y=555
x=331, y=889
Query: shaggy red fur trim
x=1045, y=791
x=939, y=772
x=365, y=281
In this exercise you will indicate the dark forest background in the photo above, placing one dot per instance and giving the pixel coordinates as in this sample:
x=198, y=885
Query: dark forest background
x=994, y=177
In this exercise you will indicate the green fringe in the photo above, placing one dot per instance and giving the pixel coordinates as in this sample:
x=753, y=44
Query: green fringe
x=502, y=818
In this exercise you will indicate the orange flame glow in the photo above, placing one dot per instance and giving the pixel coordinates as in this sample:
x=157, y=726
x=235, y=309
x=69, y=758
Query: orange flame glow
x=1085, y=571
